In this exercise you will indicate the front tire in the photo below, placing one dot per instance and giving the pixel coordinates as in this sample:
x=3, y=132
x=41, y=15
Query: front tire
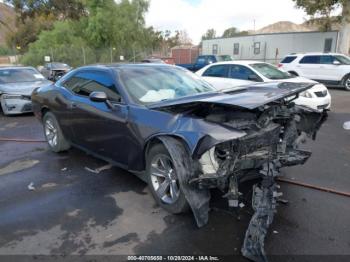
x=347, y=83
x=163, y=180
x=53, y=133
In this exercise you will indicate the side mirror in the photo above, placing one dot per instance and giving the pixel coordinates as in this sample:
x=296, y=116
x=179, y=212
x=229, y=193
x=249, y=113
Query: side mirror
x=336, y=62
x=254, y=78
x=98, y=96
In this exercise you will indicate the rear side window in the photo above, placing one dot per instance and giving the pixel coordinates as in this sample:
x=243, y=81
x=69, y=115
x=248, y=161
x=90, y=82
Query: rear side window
x=217, y=71
x=310, y=59
x=86, y=82
x=288, y=59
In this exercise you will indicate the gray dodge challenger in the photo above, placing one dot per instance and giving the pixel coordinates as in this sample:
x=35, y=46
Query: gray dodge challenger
x=172, y=129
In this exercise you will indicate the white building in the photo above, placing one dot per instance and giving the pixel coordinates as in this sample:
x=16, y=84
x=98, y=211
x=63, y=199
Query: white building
x=271, y=47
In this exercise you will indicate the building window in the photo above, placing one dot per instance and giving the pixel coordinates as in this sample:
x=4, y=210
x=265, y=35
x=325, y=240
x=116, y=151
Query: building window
x=256, y=48
x=328, y=45
x=236, y=48
x=215, y=49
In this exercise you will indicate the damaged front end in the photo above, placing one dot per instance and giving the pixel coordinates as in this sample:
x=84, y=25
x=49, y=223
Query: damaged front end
x=15, y=104
x=273, y=135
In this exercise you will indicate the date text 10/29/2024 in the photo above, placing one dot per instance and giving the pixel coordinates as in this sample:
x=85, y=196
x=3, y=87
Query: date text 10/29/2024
x=173, y=258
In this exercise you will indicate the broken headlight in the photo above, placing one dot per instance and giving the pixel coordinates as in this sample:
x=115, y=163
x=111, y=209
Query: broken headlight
x=212, y=159
x=306, y=94
x=208, y=161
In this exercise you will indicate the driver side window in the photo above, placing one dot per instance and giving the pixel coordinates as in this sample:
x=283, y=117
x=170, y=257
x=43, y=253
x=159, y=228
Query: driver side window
x=84, y=83
x=241, y=72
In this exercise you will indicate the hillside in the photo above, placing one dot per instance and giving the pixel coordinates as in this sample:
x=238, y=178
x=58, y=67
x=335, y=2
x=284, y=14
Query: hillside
x=286, y=26
x=7, y=21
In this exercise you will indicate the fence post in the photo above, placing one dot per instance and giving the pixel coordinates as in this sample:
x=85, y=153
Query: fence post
x=84, y=58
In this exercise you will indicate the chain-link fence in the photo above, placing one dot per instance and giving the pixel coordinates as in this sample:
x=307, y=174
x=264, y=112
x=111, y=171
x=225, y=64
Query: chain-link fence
x=78, y=56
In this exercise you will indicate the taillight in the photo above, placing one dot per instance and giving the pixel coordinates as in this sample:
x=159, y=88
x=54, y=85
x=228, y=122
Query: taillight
x=280, y=65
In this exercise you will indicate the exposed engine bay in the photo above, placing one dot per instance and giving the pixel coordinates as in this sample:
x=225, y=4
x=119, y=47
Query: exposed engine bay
x=273, y=133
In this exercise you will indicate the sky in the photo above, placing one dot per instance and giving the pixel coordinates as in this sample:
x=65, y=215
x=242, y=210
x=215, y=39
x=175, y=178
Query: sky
x=196, y=16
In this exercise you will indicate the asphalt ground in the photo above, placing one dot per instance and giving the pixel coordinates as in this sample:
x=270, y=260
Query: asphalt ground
x=72, y=211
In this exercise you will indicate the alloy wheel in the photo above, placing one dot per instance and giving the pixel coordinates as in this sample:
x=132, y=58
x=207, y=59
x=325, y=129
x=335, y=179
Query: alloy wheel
x=347, y=83
x=51, y=132
x=164, y=179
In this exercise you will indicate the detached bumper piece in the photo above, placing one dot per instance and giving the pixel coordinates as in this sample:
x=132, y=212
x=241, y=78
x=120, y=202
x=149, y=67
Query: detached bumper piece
x=16, y=104
x=264, y=202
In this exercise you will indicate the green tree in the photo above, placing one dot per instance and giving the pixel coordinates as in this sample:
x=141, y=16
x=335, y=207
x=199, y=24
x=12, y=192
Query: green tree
x=210, y=34
x=61, y=9
x=34, y=16
x=108, y=30
x=233, y=31
x=324, y=8
x=61, y=43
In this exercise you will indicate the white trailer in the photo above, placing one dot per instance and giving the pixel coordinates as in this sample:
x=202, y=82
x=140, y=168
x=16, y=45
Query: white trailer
x=271, y=47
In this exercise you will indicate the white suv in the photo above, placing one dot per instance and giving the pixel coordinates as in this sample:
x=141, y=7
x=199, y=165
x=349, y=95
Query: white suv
x=329, y=68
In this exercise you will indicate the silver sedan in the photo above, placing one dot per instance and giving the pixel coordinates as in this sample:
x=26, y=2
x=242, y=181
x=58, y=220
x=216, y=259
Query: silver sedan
x=16, y=87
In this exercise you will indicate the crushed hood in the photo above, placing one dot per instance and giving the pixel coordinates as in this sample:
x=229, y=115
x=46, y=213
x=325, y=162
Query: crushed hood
x=249, y=97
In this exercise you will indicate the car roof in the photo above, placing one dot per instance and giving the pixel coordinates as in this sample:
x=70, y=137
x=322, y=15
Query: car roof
x=239, y=62
x=16, y=67
x=313, y=53
x=124, y=65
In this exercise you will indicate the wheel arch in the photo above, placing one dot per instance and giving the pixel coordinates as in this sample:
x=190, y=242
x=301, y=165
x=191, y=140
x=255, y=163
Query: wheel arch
x=157, y=139
x=344, y=78
x=43, y=111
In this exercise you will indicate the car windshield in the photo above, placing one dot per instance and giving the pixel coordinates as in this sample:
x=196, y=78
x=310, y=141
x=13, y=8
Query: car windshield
x=59, y=65
x=17, y=75
x=343, y=59
x=270, y=71
x=149, y=85
x=222, y=58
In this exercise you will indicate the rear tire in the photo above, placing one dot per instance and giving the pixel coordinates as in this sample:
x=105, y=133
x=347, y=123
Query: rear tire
x=163, y=181
x=53, y=133
x=347, y=83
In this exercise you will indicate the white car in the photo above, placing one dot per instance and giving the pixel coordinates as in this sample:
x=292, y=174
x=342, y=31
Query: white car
x=230, y=74
x=329, y=68
x=16, y=86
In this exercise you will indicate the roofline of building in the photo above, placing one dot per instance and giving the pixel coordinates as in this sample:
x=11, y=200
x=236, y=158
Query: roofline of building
x=282, y=33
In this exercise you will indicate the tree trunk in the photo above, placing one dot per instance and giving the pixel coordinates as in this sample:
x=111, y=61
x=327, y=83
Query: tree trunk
x=344, y=34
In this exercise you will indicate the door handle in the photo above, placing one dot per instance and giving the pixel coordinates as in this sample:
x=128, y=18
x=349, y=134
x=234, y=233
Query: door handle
x=73, y=105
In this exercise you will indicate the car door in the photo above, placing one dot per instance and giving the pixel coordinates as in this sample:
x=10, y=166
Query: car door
x=218, y=76
x=96, y=126
x=309, y=67
x=328, y=70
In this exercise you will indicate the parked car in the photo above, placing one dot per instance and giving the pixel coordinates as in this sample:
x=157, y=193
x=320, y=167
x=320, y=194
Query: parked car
x=331, y=69
x=16, y=87
x=54, y=71
x=153, y=61
x=175, y=131
x=237, y=73
x=204, y=60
